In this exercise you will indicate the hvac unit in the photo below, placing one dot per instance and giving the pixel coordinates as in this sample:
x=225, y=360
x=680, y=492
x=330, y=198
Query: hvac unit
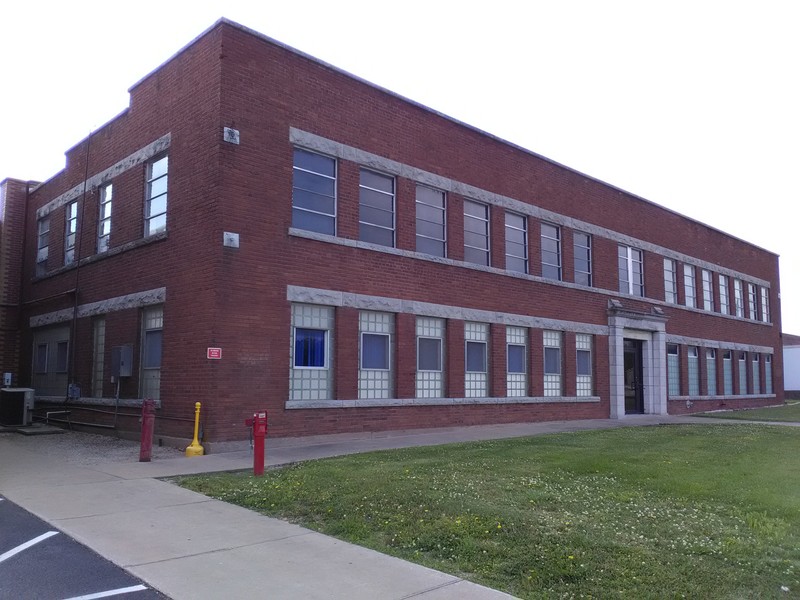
x=16, y=406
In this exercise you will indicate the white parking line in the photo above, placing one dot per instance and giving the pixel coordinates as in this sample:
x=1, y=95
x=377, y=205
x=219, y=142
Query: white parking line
x=133, y=588
x=26, y=545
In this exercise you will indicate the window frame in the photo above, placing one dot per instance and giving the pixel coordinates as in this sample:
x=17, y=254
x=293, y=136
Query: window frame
x=42, y=244
x=388, y=345
x=765, y=312
x=433, y=208
x=325, y=348
x=707, y=280
x=513, y=244
x=630, y=260
x=486, y=253
x=671, y=278
x=149, y=217
x=673, y=379
x=577, y=249
x=364, y=191
x=752, y=302
x=738, y=298
x=70, y=231
x=724, y=295
x=689, y=286
x=553, y=235
x=104, y=204
x=296, y=189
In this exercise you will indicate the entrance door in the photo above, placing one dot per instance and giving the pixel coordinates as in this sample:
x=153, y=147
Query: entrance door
x=634, y=388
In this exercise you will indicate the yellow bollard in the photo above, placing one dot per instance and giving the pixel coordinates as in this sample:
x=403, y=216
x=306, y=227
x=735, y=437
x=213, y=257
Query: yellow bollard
x=195, y=449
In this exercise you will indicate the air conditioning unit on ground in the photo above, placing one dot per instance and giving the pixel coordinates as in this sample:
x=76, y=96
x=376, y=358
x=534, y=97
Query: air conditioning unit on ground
x=16, y=406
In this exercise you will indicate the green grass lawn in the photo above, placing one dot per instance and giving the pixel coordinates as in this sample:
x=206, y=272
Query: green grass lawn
x=788, y=413
x=695, y=511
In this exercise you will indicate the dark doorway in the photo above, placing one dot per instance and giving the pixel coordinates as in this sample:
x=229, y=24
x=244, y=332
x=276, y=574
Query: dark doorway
x=634, y=387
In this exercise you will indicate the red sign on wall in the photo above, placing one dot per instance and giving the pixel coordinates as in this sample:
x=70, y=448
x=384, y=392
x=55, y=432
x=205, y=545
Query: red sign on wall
x=214, y=353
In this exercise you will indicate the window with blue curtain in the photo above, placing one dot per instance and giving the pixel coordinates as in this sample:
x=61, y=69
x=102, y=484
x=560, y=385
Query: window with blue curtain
x=309, y=347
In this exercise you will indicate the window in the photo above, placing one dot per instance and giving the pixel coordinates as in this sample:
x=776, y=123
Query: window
x=152, y=326
x=768, y=374
x=516, y=242
x=314, y=192
x=582, y=248
x=742, y=373
x=155, y=212
x=516, y=361
x=430, y=376
x=476, y=376
x=104, y=218
x=752, y=302
x=62, y=356
x=708, y=290
x=756, y=373
x=631, y=272
x=430, y=221
x=43, y=245
x=551, y=252
x=40, y=359
x=476, y=232
x=689, y=289
x=673, y=370
x=375, y=369
x=727, y=373
x=711, y=371
x=724, y=302
x=552, y=363
x=583, y=364
x=310, y=352
x=70, y=232
x=98, y=355
x=376, y=208
x=670, y=281
x=738, y=297
x=693, y=371
x=765, y=305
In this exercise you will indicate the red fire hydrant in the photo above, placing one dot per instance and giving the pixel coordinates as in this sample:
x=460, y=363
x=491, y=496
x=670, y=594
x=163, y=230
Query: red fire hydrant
x=148, y=424
x=259, y=425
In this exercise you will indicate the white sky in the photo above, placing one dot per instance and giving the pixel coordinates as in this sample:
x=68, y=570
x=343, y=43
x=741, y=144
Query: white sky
x=694, y=105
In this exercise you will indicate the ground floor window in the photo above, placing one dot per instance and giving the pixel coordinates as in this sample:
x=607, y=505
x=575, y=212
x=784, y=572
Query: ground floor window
x=583, y=364
x=756, y=373
x=673, y=370
x=376, y=330
x=98, y=355
x=430, y=347
x=742, y=373
x=152, y=334
x=51, y=360
x=693, y=371
x=516, y=361
x=727, y=372
x=476, y=372
x=768, y=373
x=711, y=371
x=552, y=363
x=310, y=359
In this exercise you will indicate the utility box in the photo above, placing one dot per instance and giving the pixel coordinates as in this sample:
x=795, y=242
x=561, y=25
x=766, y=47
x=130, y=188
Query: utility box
x=16, y=406
x=122, y=361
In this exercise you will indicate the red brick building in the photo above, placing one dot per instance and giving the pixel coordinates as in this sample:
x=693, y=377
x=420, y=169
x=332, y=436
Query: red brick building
x=363, y=263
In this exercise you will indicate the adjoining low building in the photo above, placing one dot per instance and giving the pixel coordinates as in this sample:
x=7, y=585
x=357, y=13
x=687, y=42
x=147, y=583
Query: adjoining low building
x=791, y=366
x=261, y=230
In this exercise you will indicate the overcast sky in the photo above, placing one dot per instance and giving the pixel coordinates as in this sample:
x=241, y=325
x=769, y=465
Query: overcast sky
x=693, y=105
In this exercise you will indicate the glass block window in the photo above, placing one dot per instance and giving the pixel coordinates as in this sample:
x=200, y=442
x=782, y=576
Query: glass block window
x=551, y=252
x=756, y=373
x=476, y=373
x=752, y=302
x=724, y=298
x=376, y=208
x=582, y=249
x=765, y=316
x=583, y=364
x=631, y=271
x=98, y=355
x=711, y=371
x=476, y=232
x=314, y=192
x=152, y=334
x=155, y=206
x=42, y=245
x=431, y=238
x=552, y=363
x=376, y=330
x=670, y=281
x=311, y=364
x=516, y=242
x=104, y=218
x=516, y=361
x=727, y=373
x=70, y=232
x=689, y=289
x=742, y=373
x=430, y=347
x=673, y=370
x=693, y=370
x=768, y=374
x=738, y=297
x=708, y=290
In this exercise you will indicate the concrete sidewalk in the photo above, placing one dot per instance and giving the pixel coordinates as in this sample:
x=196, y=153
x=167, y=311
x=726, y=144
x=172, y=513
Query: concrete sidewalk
x=187, y=545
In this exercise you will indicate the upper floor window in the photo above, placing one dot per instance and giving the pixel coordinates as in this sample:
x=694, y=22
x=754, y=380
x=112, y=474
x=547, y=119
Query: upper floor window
x=314, y=192
x=752, y=301
x=376, y=208
x=476, y=232
x=104, y=218
x=765, y=304
x=70, y=232
x=689, y=289
x=631, y=271
x=155, y=212
x=670, y=281
x=724, y=301
x=431, y=237
x=708, y=290
x=516, y=242
x=582, y=249
x=551, y=252
x=738, y=297
x=42, y=245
